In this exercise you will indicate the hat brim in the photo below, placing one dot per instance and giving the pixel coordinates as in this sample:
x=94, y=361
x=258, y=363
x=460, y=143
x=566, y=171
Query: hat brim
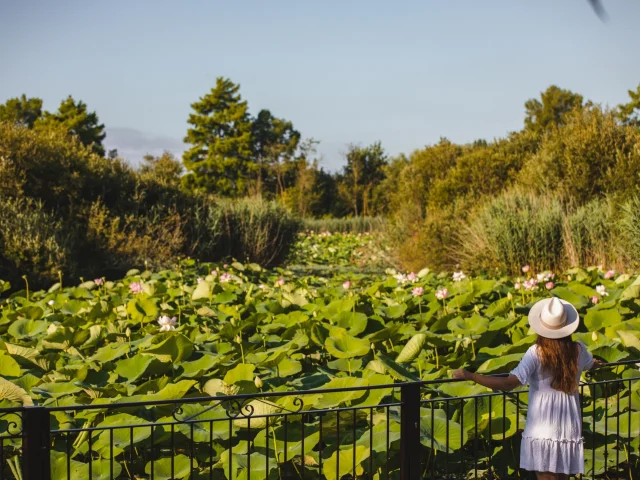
x=573, y=320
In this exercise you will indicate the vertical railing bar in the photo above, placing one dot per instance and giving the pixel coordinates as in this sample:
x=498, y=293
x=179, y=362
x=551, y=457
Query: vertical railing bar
x=504, y=429
x=371, y=443
x=388, y=438
x=606, y=429
x=231, y=450
x=173, y=450
x=618, y=425
x=286, y=436
x=433, y=450
x=518, y=431
x=302, y=446
x=110, y=453
x=90, y=456
x=267, y=453
x=320, y=445
x=153, y=447
x=68, y=454
x=354, y=443
x=462, y=435
x=629, y=435
x=593, y=431
x=2, y=456
x=338, y=476
x=191, y=452
x=446, y=455
x=475, y=440
x=131, y=457
x=489, y=446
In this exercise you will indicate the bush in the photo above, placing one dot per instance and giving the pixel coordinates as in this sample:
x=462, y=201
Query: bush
x=629, y=228
x=257, y=231
x=513, y=230
x=345, y=225
x=32, y=243
x=591, y=236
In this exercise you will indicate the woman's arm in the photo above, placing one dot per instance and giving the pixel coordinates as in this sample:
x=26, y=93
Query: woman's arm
x=495, y=383
x=596, y=364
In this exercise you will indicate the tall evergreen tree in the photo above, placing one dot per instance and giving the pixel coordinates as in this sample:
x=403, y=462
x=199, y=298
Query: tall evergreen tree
x=21, y=111
x=629, y=113
x=219, y=160
x=78, y=121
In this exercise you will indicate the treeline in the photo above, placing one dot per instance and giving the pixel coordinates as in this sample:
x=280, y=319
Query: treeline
x=535, y=196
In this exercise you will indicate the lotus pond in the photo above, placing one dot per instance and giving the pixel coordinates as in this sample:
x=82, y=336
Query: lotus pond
x=211, y=330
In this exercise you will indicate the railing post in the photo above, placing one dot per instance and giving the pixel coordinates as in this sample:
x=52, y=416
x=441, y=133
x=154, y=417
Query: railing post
x=36, y=464
x=410, y=432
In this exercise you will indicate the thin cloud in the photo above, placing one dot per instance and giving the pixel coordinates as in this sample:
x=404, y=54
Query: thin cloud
x=133, y=144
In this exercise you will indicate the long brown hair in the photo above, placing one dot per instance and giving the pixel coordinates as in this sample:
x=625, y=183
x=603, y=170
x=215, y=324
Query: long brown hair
x=559, y=358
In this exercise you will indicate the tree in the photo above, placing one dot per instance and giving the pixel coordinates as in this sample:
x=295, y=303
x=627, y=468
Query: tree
x=165, y=168
x=551, y=110
x=629, y=113
x=219, y=160
x=274, y=142
x=363, y=172
x=79, y=122
x=21, y=111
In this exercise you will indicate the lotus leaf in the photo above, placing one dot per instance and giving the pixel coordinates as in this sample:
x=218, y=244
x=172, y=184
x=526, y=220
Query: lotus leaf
x=346, y=462
x=25, y=328
x=597, y=319
x=134, y=367
x=412, y=348
x=8, y=366
x=475, y=325
x=570, y=296
x=346, y=346
x=13, y=393
x=632, y=291
x=444, y=434
x=174, y=347
x=166, y=468
x=240, y=466
x=241, y=372
x=100, y=468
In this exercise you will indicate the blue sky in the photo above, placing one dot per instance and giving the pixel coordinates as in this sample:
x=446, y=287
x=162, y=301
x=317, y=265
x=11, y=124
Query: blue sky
x=404, y=73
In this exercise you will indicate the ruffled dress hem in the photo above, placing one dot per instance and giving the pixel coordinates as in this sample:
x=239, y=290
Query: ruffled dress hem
x=552, y=455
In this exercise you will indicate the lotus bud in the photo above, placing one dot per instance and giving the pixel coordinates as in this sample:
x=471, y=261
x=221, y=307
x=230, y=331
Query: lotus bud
x=127, y=332
x=238, y=339
x=258, y=382
x=594, y=336
x=476, y=309
x=509, y=296
x=233, y=322
x=373, y=347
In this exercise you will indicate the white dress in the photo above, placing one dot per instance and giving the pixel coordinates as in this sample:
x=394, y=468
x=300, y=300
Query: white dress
x=552, y=438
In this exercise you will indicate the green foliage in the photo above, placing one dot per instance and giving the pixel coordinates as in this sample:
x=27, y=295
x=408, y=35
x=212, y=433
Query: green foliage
x=629, y=113
x=32, y=242
x=220, y=134
x=630, y=228
x=21, y=111
x=166, y=168
x=345, y=225
x=551, y=110
x=513, y=230
x=74, y=117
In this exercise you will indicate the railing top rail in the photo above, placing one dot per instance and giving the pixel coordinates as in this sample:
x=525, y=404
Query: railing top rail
x=249, y=396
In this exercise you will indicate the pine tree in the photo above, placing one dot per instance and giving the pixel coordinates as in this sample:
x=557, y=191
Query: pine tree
x=219, y=160
x=78, y=121
x=21, y=111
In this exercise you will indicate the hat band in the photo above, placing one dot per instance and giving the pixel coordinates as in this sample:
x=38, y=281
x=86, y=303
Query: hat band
x=552, y=327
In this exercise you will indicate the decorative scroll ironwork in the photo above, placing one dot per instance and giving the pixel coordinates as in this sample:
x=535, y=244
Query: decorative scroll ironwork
x=13, y=429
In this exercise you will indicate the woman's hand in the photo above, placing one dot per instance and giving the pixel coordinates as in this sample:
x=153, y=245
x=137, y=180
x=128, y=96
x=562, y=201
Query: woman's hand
x=597, y=364
x=462, y=374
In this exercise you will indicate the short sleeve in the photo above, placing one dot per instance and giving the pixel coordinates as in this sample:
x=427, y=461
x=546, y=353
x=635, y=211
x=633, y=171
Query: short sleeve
x=585, y=359
x=527, y=366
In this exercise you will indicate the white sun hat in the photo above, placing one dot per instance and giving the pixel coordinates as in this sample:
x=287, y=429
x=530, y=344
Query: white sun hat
x=553, y=318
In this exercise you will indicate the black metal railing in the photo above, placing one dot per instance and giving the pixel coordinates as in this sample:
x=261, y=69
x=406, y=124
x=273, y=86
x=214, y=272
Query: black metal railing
x=408, y=431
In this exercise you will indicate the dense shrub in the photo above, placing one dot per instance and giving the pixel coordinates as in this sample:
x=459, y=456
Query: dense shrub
x=513, y=230
x=116, y=218
x=256, y=230
x=629, y=228
x=32, y=243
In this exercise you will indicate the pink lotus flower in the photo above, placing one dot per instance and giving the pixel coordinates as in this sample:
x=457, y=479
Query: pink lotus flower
x=214, y=273
x=549, y=285
x=417, y=292
x=346, y=285
x=225, y=277
x=412, y=277
x=530, y=284
x=442, y=294
x=609, y=274
x=526, y=268
x=226, y=265
x=594, y=299
x=280, y=282
x=98, y=281
x=135, y=287
x=517, y=286
x=167, y=324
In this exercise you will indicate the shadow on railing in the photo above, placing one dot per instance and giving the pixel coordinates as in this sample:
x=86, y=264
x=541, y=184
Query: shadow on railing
x=418, y=430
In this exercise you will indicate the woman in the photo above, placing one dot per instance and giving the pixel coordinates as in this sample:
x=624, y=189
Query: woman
x=552, y=438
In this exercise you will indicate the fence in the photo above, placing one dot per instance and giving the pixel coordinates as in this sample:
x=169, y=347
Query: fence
x=406, y=431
